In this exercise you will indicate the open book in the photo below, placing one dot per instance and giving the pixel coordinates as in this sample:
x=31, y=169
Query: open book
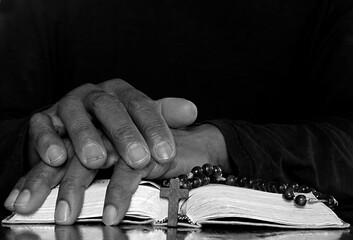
x=211, y=204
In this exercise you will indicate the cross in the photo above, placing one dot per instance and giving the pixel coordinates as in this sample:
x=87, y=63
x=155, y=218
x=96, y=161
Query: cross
x=174, y=194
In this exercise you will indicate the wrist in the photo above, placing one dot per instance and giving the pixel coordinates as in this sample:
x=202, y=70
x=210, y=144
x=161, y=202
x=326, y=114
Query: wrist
x=215, y=146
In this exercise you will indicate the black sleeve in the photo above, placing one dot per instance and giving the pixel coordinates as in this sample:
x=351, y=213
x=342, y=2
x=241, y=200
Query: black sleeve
x=318, y=150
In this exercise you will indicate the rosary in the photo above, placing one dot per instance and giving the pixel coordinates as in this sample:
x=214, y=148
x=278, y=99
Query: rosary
x=177, y=188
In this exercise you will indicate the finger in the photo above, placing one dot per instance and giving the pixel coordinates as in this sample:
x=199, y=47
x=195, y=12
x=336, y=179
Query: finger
x=35, y=187
x=71, y=192
x=147, y=118
x=119, y=127
x=113, y=156
x=56, y=121
x=9, y=202
x=122, y=186
x=46, y=141
x=87, y=143
x=177, y=112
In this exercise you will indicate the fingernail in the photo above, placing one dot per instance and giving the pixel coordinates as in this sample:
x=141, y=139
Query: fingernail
x=23, y=198
x=93, y=152
x=11, y=199
x=164, y=150
x=55, y=153
x=62, y=212
x=110, y=215
x=137, y=153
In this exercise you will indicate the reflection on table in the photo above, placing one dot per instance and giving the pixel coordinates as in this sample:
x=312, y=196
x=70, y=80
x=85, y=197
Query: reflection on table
x=97, y=232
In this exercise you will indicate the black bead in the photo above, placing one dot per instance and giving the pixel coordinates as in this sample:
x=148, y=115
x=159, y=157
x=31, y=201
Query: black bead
x=231, y=180
x=196, y=171
x=261, y=185
x=312, y=190
x=331, y=202
x=319, y=195
x=256, y=184
x=217, y=171
x=288, y=194
x=293, y=186
x=251, y=183
x=207, y=169
x=204, y=179
x=303, y=189
x=300, y=200
x=243, y=182
x=183, y=177
x=185, y=184
x=282, y=188
x=196, y=182
x=273, y=187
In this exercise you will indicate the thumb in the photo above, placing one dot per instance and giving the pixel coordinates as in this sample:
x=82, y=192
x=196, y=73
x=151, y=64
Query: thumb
x=177, y=112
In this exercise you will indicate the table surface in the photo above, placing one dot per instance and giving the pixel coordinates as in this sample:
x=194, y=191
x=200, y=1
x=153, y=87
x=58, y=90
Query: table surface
x=99, y=231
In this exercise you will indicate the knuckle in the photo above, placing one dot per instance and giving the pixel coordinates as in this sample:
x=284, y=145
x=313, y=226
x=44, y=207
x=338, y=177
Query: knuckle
x=119, y=191
x=38, y=178
x=112, y=84
x=70, y=184
x=80, y=128
x=124, y=131
x=67, y=102
x=87, y=86
x=39, y=129
x=40, y=137
x=36, y=119
x=153, y=128
x=116, y=81
x=97, y=99
x=140, y=103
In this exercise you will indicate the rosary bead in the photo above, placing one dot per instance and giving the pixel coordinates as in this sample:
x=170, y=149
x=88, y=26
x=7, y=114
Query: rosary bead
x=195, y=182
x=288, y=194
x=303, y=189
x=200, y=176
x=251, y=183
x=217, y=171
x=282, y=188
x=204, y=180
x=196, y=171
x=231, y=180
x=185, y=184
x=293, y=186
x=242, y=182
x=319, y=195
x=183, y=177
x=207, y=169
x=256, y=184
x=260, y=186
x=273, y=187
x=300, y=200
x=332, y=202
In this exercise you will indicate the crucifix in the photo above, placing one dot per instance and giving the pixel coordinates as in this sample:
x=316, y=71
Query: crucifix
x=173, y=194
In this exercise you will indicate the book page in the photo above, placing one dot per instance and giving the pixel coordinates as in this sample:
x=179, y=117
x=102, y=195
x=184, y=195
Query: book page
x=221, y=202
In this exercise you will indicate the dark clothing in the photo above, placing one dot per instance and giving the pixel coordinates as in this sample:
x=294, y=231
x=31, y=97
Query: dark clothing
x=275, y=76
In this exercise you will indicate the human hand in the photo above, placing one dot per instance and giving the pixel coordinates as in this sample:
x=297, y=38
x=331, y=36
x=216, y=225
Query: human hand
x=31, y=190
x=195, y=146
x=135, y=125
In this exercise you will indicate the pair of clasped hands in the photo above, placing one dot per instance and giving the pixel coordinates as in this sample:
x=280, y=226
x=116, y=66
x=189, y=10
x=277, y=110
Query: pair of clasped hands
x=110, y=124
